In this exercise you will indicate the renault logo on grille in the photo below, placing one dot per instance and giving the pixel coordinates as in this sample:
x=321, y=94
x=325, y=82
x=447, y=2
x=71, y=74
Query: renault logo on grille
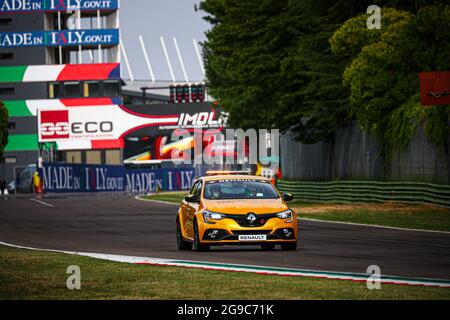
x=251, y=218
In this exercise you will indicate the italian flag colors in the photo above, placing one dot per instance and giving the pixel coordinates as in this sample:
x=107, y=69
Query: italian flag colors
x=57, y=73
x=64, y=72
x=22, y=142
x=29, y=142
x=29, y=108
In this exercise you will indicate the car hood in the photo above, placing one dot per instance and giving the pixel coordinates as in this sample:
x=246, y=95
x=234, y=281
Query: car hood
x=245, y=206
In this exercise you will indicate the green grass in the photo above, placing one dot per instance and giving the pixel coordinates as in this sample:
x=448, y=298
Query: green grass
x=406, y=216
x=28, y=274
x=424, y=220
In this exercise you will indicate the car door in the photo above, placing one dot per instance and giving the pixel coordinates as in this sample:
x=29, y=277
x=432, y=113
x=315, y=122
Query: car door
x=191, y=209
x=185, y=211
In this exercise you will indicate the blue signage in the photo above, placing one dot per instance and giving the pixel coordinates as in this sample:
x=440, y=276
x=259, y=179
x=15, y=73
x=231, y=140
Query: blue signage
x=59, y=38
x=151, y=180
x=82, y=178
x=16, y=6
x=61, y=178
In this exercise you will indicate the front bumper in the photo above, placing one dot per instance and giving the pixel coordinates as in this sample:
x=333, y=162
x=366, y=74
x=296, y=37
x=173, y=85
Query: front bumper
x=227, y=231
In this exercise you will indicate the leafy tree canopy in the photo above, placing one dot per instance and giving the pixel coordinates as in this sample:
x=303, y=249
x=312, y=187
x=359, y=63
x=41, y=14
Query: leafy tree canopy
x=270, y=62
x=383, y=72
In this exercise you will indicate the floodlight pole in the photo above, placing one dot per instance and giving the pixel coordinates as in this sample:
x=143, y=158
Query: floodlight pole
x=124, y=52
x=199, y=57
x=147, y=60
x=166, y=55
x=180, y=58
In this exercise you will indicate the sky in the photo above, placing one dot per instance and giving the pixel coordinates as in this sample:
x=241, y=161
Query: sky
x=167, y=18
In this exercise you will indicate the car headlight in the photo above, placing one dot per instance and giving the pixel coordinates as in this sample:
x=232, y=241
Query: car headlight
x=209, y=215
x=285, y=215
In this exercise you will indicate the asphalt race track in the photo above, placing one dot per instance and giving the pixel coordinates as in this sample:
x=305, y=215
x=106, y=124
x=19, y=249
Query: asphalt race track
x=119, y=224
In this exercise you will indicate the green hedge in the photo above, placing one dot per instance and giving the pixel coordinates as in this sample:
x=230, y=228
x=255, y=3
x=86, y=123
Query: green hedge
x=367, y=191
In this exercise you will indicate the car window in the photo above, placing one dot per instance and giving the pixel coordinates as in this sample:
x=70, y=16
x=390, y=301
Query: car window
x=198, y=190
x=194, y=186
x=240, y=189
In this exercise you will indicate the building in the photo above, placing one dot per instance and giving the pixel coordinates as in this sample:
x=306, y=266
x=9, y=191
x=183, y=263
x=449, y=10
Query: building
x=60, y=80
x=57, y=56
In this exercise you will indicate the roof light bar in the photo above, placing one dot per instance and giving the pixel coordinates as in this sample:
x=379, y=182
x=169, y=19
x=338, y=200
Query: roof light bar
x=224, y=172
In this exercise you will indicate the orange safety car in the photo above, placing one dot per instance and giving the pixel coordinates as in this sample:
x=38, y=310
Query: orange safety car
x=235, y=209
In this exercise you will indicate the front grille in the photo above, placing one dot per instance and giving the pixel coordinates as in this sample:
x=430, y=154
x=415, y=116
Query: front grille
x=238, y=232
x=242, y=220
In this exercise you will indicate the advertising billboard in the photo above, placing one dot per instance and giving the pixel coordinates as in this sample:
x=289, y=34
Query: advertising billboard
x=85, y=127
x=435, y=88
x=94, y=123
x=64, y=38
x=153, y=144
x=65, y=177
x=17, y=6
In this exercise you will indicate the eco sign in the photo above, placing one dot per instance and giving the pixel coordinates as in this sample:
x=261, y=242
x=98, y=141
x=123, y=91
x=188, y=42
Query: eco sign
x=93, y=123
x=16, y=6
x=55, y=125
x=59, y=38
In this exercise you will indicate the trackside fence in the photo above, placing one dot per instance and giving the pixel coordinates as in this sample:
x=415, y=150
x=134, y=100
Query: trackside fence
x=367, y=191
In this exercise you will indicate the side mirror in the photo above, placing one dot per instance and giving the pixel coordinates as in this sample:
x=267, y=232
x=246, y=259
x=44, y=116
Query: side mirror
x=191, y=198
x=288, y=197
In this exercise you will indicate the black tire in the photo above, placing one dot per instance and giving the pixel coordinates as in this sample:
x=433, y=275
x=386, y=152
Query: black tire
x=268, y=246
x=289, y=246
x=181, y=243
x=197, y=246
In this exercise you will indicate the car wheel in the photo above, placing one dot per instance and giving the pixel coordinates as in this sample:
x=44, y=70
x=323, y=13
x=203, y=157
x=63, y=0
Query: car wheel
x=197, y=246
x=268, y=246
x=289, y=246
x=181, y=244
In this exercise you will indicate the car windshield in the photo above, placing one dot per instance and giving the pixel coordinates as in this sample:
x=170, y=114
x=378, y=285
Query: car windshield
x=239, y=189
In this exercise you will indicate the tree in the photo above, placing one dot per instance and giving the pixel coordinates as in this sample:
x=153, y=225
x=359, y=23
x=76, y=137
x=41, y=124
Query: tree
x=270, y=62
x=3, y=128
x=383, y=72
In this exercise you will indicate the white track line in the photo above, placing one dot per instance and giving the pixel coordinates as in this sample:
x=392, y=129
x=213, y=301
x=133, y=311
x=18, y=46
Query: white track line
x=328, y=221
x=373, y=225
x=359, y=277
x=42, y=202
x=160, y=201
